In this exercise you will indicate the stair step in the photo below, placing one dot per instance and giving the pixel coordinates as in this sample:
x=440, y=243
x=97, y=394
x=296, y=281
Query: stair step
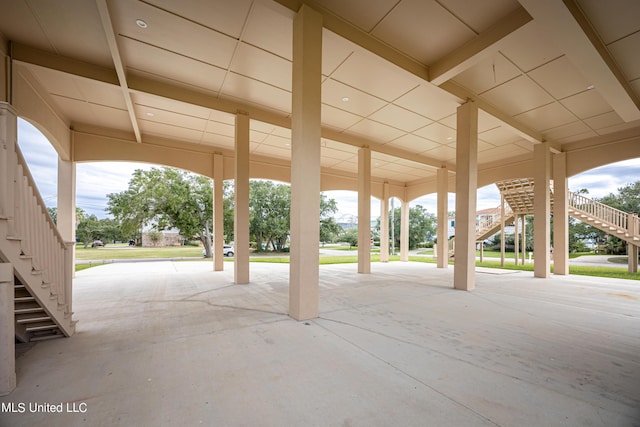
x=32, y=317
x=14, y=238
x=41, y=326
x=24, y=299
x=46, y=335
x=27, y=307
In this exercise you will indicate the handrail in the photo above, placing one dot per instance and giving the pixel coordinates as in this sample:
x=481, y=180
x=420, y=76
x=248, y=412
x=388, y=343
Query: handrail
x=597, y=210
x=41, y=239
x=627, y=225
x=490, y=221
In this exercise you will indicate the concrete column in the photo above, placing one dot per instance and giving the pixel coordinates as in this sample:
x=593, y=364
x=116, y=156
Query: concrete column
x=524, y=239
x=404, y=231
x=364, y=210
x=7, y=331
x=218, y=213
x=501, y=230
x=442, y=255
x=632, y=252
x=241, y=202
x=541, y=210
x=304, y=276
x=560, y=215
x=66, y=213
x=384, y=223
x=466, y=185
x=516, y=243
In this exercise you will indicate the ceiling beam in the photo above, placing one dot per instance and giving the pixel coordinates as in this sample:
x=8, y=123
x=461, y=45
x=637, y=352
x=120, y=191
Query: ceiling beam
x=573, y=33
x=485, y=45
x=112, y=41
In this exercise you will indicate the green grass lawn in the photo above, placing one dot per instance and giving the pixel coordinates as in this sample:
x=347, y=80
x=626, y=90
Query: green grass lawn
x=124, y=252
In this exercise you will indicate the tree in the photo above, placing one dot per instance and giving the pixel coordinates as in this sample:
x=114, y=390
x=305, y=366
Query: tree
x=421, y=226
x=269, y=207
x=329, y=229
x=167, y=198
x=88, y=230
x=350, y=236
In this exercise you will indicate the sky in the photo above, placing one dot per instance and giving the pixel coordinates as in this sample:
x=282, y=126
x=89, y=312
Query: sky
x=97, y=179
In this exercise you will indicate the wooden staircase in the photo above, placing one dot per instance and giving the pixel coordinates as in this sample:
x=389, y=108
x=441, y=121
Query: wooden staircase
x=623, y=225
x=41, y=260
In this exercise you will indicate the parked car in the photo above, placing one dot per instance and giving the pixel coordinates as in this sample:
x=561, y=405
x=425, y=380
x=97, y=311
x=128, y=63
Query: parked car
x=227, y=250
x=97, y=244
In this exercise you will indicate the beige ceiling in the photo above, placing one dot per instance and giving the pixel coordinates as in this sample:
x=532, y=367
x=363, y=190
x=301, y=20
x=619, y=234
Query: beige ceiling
x=535, y=71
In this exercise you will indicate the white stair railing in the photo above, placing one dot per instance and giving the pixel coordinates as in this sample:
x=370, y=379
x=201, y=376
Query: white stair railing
x=625, y=225
x=489, y=222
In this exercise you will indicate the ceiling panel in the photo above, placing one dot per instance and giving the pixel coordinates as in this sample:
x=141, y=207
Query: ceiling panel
x=442, y=152
x=485, y=121
x=339, y=146
x=413, y=143
x=335, y=50
x=422, y=29
x=546, y=117
x=499, y=136
x=587, y=104
x=362, y=13
x=604, y=120
x=500, y=153
x=488, y=74
x=57, y=83
x=335, y=154
x=611, y=22
x=480, y=15
x=257, y=92
x=567, y=130
x=400, y=118
x=270, y=27
x=218, y=128
x=176, y=106
x=530, y=96
x=163, y=130
x=375, y=131
x=108, y=117
x=429, y=101
x=625, y=52
x=101, y=93
x=18, y=23
x=218, y=140
x=438, y=133
x=277, y=141
x=529, y=48
x=76, y=111
x=228, y=17
x=271, y=151
x=173, y=33
x=338, y=119
x=560, y=78
x=358, y=102
x=170, y=118
x=382, y=79
x=258, y=64
x=153, y=60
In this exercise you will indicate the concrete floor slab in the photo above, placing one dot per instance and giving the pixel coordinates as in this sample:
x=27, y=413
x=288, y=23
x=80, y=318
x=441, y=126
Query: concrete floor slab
x=173, y=343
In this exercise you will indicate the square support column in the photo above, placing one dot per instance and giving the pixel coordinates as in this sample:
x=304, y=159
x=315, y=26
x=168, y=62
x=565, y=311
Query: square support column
x=524, y=239
x=541, y=210
x=560, y=215
x=464, y=269
x=304, y=273
x=442, y=257
x=364, y=210
x=516, y=239
x=7, y=331
x=632, y=263
x=404, y=231
x=502, y=244
x=241, y=201
x=218, y=213
x=66, y=218
x=384, y=223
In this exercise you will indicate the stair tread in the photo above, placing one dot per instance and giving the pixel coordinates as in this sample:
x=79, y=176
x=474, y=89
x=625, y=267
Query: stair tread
x=39, y=326
x=32, y=317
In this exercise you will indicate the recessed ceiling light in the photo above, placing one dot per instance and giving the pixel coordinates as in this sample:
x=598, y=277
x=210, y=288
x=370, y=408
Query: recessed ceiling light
x=150, y=114
x=590, y=87
x=449, y=138
x=140, y=23
x=287, y=145
x=345, y=99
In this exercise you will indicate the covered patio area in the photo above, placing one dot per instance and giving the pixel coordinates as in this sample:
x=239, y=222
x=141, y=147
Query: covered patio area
x=173, y=343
